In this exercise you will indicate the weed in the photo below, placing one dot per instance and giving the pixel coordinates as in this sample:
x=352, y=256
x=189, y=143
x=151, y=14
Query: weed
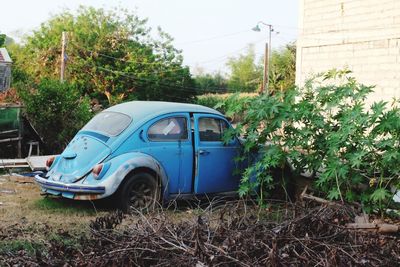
x=65, y=206
x=12, y=246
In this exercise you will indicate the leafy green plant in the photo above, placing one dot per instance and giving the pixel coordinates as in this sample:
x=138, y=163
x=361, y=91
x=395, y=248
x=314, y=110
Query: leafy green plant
x=56, y=110
x=325, y=128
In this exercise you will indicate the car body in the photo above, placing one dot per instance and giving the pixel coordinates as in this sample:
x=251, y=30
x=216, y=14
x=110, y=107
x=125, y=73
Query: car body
x=177, y=146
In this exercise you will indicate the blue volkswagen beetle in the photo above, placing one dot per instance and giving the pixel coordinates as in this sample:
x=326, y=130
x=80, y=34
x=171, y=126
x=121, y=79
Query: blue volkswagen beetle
x=143, y=152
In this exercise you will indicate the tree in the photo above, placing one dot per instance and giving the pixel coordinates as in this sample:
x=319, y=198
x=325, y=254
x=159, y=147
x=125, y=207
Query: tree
x=56, y=109
x=111, y=56
x=2, y=39
x=245, y=73
x=283, y=68
x=211, y=83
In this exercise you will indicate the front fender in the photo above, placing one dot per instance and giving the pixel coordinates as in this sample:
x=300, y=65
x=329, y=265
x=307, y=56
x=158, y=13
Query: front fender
x=122, y=165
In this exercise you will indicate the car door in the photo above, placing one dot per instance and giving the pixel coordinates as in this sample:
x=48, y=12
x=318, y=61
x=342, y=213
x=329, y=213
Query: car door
x=214, y=160
x=170, y=144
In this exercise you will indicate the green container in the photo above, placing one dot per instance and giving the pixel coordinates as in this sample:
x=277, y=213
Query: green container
x=9, y=118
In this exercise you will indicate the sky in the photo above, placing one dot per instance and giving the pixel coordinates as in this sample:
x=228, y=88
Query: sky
x=207, y=31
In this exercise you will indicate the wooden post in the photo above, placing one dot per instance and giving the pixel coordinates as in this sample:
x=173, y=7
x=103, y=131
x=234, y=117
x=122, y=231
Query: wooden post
x=63, y=55
x=20, y=133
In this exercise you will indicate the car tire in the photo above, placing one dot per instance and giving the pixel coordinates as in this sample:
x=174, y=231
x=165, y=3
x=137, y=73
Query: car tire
x=140, y=193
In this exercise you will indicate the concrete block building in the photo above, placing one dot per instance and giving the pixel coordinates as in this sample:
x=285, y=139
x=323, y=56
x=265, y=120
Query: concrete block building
x=362, y=35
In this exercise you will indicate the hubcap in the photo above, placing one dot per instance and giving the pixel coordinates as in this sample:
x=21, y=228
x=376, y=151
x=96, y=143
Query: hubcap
x=141, y=196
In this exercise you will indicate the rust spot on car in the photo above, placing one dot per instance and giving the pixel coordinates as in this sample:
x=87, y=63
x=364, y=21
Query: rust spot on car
x=86, y=197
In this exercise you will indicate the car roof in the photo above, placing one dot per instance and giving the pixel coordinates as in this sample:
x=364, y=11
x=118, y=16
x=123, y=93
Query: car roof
x=140, y=109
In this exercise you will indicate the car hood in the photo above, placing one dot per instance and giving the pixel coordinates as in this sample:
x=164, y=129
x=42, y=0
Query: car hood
x=79, y=158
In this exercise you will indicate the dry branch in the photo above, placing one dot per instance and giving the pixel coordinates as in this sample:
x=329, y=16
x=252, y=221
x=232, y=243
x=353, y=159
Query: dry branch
x=235, y=235
x=383, y=228
x=304, y=195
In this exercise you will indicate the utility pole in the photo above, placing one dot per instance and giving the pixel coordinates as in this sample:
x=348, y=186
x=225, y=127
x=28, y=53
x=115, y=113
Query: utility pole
x=267, y=56
x=63, y=55
x=264, y=86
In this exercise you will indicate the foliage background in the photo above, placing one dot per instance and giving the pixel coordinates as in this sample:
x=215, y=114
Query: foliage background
x=245, y=73
x=112, y=56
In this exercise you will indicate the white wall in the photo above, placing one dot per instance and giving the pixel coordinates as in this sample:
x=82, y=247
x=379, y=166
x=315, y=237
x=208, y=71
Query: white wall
x=363, y=35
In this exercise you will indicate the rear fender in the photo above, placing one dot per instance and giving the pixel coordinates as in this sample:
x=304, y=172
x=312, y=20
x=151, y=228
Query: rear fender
x=124, y=164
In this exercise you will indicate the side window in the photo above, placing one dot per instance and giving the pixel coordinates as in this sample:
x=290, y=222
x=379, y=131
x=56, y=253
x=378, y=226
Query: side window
x=211, y=129
x=169, y=129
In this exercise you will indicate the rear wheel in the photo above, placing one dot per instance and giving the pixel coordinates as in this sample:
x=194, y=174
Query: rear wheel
x=139, y=193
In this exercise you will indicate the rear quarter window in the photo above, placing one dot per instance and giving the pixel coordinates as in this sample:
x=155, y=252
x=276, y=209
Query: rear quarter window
x=109, y=123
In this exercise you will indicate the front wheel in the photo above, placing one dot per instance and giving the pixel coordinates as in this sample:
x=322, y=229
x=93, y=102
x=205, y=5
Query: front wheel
x=139, y=193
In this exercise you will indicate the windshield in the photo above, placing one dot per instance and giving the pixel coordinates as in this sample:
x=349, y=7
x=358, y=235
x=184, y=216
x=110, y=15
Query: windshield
x=109, y=123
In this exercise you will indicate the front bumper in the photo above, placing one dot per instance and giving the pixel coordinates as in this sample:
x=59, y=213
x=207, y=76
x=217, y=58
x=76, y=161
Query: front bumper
x=72, y=188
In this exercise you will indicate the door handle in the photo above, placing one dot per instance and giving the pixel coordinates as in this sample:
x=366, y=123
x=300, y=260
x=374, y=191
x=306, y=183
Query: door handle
x=203, y=152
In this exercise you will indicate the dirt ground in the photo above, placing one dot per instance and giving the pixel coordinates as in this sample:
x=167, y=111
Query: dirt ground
x=21, y=202
x=45, y=231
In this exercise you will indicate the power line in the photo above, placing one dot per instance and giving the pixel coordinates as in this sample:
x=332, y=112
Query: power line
x=155, y=71
x=159, y=86
x=213, y=37
x=220, y=58
x=193, y=90
x=236, y=33
x=284, y=39
x=130, y=75
x=173, y=69
x=118, y=58
x=182, y=88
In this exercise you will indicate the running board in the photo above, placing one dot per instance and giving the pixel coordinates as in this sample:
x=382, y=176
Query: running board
x=203, y=196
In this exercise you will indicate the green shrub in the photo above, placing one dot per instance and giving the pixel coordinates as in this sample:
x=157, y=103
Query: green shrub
x=326, y=129
x=209, y=100
x=219, y=101
x=56, y=110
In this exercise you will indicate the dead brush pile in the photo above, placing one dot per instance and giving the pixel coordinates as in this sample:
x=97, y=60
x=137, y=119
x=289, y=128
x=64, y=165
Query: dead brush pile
x=235, y=235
